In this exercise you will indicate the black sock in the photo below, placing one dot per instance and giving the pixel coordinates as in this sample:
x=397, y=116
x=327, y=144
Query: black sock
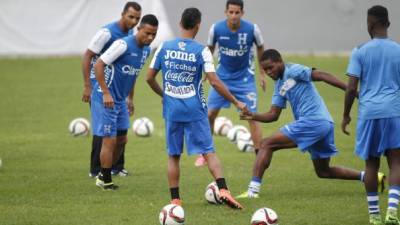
x=174, y=193
x=221, y=183
x=95, y=155
x=106, y=175
x=256, y=151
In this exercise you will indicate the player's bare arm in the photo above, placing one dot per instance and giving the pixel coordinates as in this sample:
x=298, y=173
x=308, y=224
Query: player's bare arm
x=151, y=80
x=270, y=116
x=129, y=102
x=87, y=86
x=328, y=78
x=351, y=94
x=108, y=100
x=216, y=83
x=263, y=82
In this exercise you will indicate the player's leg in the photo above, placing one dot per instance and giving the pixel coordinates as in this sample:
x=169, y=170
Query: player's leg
x=174, y=138
x=393, y=159
x=95, y=156
x=119, y=157
x=256, y=134
x=268, y=146
x=323, y=169
x=372, y=165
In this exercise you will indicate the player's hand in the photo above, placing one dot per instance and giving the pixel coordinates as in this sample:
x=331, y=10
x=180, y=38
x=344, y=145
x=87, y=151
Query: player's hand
x=246, y=115
x=108, y=100
x=263, y=82
x=241, y=106
x=131, y=107
x=86, y=94
x=346, y=121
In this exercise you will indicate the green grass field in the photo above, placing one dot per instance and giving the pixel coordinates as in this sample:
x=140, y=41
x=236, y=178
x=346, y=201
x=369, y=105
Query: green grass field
x=44, y=176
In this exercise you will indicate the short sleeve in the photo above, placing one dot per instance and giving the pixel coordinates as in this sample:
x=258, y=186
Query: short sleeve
x=211, y=38
x=299, y=73
x=208, y=65
x=99, y=40
x=117, y=48
x=354, y=67
x=277, y=99
x=156, y=61
x=258, y=36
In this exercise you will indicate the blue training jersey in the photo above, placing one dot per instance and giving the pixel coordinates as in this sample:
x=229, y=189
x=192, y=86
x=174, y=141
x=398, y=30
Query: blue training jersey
x=377, y=65
x=235, y=52
x=182, y=62
x=296, y=86
x=102, y=41
x=125, y=59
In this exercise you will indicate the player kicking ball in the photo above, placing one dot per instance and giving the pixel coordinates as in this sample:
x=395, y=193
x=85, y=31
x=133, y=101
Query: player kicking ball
x=313, y=128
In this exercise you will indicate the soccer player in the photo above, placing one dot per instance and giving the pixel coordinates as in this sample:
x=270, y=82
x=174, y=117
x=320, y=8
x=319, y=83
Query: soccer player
x=313, y=128
x=100, y=42
x=182, y=62
x=376, y=65
x=235, y=38
x=125, y=58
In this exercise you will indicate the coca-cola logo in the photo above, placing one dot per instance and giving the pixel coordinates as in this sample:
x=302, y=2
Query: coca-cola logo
x=185, y=77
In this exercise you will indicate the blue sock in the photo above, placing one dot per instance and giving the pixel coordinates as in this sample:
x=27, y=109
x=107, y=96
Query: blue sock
x=373, y=202
x=256, y=179
x=394, y=196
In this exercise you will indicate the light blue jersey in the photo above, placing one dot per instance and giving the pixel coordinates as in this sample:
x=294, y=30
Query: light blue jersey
x=182, y=62
x=102, y=41
x=125, y=59
x=377, y=65
x=235, y=50
x=296, y=86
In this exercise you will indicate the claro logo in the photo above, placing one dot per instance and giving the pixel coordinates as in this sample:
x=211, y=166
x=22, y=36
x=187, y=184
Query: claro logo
x=130, y=70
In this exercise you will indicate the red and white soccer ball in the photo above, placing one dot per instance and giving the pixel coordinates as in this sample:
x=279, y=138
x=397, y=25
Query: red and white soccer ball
x=172, y=215
x=79, y=127
x=222, y=125
x=212, y=194
x=264, y=216
x=244, y=142
x=143, y=127
x=234, y=132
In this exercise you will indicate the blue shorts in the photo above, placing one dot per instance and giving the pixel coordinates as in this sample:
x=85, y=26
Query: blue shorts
x=314, y=136
x=106, y=122
x=244, y=90
x=375, y=137
x=197, y=135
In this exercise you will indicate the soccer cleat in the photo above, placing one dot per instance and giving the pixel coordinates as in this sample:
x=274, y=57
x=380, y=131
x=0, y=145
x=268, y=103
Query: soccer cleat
x=375, y=219
x=248, y=194
x=200, y=161
x=100, y=180
x=227, y=198
x=381, y=182
x=93, y=175
x=110, y=186
x=176, y=201
x=391, y=218
x=121, y=173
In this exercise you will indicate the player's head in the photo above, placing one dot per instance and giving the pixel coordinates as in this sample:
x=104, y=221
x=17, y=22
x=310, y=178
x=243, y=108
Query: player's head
x=378, y=19
x=271, y=62
x=147, y=29
x=130, y=16
x=234, y=11
x=191, y=19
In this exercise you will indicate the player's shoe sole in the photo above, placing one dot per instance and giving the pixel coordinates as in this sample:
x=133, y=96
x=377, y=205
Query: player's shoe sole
x=391, y=218
x=246, y=195
x=381, y=182
x=176, y=201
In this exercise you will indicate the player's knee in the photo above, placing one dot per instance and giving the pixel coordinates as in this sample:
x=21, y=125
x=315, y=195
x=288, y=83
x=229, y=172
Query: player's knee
x=323, y=173
x=122, y=140
x=267, y=144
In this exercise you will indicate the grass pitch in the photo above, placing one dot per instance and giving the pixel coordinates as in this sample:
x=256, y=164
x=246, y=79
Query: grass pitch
x=44, y=176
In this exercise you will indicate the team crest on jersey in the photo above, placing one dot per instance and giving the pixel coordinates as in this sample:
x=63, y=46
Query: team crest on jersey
x=182, y=45
x=287, y=85
x=242, y=38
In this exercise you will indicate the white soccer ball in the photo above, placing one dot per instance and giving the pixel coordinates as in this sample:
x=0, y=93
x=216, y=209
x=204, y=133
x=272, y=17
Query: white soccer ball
x=143, y=127
x=79, y=127
x=234, y=131
x=212, y=194
x=172, y=215
x=264, y=216
x=222, y=125
x=245, y=143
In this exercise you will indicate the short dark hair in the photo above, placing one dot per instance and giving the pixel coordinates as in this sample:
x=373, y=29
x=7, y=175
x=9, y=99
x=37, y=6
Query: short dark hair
x=380, y=13
x=272, y=54
x=149, y=19
x=134, y=5
x=190, y=18
x=235, y=2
